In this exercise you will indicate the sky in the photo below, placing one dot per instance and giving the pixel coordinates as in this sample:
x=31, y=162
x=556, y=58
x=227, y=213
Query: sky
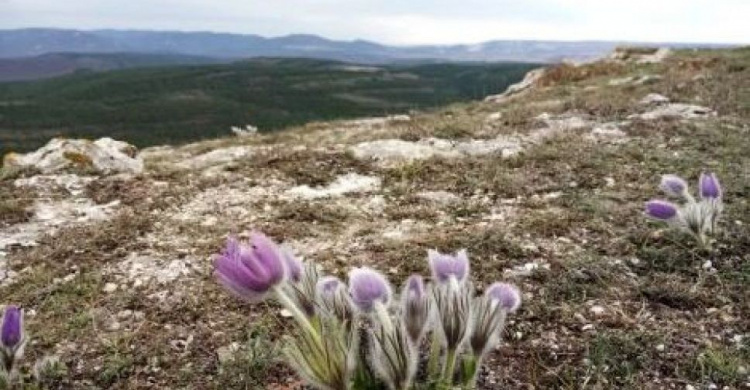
x=405, y=21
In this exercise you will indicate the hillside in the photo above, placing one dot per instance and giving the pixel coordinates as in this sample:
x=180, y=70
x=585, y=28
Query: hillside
x=59, y=64
x=172, y=105
x=544, y=187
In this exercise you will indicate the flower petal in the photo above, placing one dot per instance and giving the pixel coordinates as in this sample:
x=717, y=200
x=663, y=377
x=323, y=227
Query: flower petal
x=661, y=210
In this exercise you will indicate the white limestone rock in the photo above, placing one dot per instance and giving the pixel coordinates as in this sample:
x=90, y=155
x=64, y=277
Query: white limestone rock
x=654, y=99
x=676, y=111
x=346, y=184
x=105, y=155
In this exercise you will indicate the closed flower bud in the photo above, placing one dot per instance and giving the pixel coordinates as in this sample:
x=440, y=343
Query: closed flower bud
x=12, y=338
x=674, y=185
x=661, y=210
x=709, y=186
x=416, y=306
x=334, y=299
x=506, y=295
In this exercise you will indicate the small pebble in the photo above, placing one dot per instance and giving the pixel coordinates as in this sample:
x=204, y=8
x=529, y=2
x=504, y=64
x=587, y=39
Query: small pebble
x=597, y=310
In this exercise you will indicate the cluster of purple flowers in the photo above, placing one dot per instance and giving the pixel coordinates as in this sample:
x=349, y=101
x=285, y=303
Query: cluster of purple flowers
x=355, y=335
x=698, y=217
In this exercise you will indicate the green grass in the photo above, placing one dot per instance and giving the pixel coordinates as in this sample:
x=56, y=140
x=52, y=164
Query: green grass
x=180, y=104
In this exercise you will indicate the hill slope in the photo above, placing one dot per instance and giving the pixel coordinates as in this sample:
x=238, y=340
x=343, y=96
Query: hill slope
x=170, y=105
x=544, y=188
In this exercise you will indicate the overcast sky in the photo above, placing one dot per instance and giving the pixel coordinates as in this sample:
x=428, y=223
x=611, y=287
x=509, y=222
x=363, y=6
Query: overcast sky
x=405, y=21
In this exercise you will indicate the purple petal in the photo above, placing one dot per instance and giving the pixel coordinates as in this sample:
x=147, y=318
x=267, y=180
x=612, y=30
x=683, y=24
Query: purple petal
x=269, y=256
x=674, y=185
x=660, y=209
x=293, y=264
x=506, y=295
x=12, y=327
x=232, y=248
x=444, y=266
x=239, y=280
x=709, y=186
x=368, y=286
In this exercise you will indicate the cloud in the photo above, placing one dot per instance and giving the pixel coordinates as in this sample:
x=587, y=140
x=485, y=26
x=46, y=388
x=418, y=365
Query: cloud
x=404, y=22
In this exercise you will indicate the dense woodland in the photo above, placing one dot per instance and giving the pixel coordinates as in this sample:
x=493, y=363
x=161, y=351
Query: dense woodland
x=171, y=105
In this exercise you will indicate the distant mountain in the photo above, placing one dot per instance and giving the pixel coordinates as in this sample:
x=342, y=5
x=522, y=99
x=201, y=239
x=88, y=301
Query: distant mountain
x=34, y=42
x=58, y=64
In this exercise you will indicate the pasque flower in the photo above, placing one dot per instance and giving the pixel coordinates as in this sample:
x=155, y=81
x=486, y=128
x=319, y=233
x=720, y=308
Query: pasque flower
x=332, y=295
x=697, y=217
x=675, y=186
x=250, y=271
x=505, y=295
x=416, y=305
x=12, y=337
x=709, y=186
x=369, y=288
x=447, y=267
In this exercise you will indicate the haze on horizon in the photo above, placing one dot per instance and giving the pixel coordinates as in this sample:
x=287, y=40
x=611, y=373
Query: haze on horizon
x=414, y=22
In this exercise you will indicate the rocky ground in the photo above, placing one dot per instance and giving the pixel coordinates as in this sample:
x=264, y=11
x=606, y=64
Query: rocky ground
x=543, y=185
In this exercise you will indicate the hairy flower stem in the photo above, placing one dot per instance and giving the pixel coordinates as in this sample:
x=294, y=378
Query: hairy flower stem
x=297, y=314
x=382, y=312
x=450, y=366
x=434, y=361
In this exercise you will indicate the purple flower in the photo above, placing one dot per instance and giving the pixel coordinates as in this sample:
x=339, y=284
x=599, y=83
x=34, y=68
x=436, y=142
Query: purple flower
x=250, y=271
x=294, y=266
x=368, y=287
x=660, y=209
x=329, y=285
x=674, y=185
x=416, y=307
x=445, y=266
x=709, y=186
x=506, y=295
x=11, y=335
x=333, y=299
x=415, y=288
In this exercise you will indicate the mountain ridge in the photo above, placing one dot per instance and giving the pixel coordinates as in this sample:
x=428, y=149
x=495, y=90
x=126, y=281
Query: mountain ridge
x=35, y=41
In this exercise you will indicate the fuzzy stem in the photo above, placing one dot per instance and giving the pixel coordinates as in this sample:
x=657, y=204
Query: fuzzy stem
x=450, y=366
x=297, y=314
x=382, y=312
x=433, y=362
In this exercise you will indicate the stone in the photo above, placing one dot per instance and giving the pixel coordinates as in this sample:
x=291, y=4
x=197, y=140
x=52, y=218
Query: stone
x=608, y=132
x=640, y=55
x=346, y=184
x=217, y=157
x=394, y=150
x=527, y=83
x=439, y=197
x=247, y=131
x=654, y=99
x=597, y=310
x=105, y=156
x=675, y=111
